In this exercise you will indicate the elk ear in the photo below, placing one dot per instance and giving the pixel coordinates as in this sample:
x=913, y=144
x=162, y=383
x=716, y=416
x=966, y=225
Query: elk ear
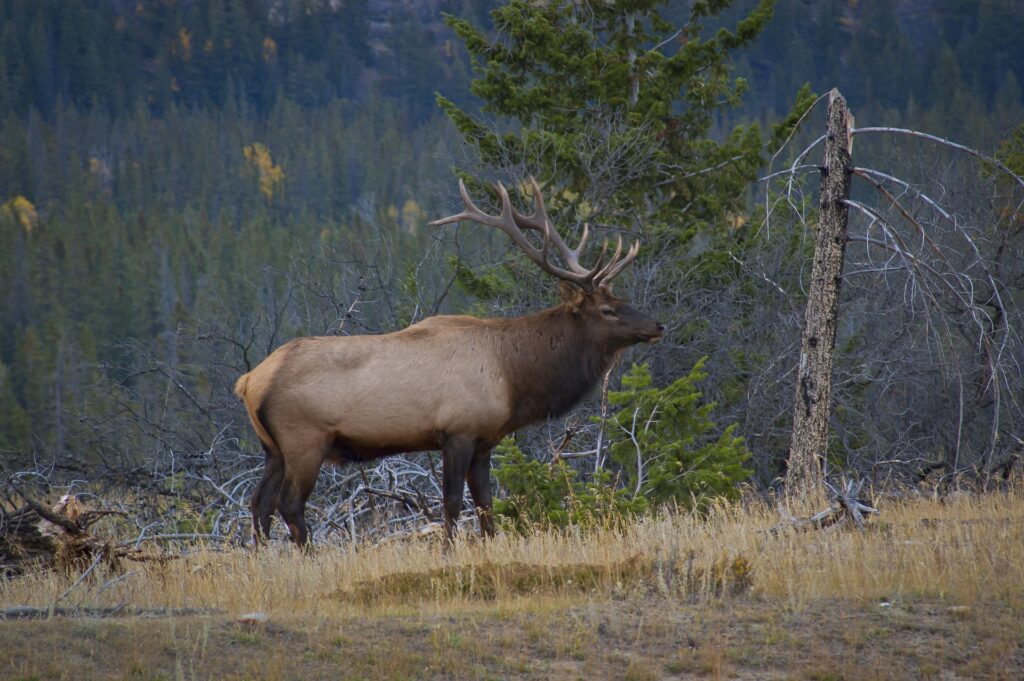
x=571, y=294
x=567, y=291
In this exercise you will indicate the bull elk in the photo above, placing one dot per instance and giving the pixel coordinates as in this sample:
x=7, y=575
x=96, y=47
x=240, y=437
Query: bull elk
x=454, y=383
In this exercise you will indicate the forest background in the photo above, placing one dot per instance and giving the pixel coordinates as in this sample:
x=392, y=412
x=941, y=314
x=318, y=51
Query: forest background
x=187, y=185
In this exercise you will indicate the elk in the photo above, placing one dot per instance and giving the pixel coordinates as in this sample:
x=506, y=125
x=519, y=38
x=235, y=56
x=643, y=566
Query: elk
x=454, y=383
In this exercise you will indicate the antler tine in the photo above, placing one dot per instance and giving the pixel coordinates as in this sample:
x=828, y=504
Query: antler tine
x=583, y=239
x=602, y=272
x=615, y=268
x=511, y=222
x=470, y=212
x=539, y=222
x=595, y=272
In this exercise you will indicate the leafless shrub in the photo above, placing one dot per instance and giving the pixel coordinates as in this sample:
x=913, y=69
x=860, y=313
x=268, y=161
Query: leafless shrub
x=928, y=362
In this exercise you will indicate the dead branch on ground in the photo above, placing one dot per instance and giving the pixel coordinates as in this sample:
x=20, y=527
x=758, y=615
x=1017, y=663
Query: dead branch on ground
x=33, y=536
x=846, y=507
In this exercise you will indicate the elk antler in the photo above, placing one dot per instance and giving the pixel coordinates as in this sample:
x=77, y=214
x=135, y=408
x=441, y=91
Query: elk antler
x=513, y=222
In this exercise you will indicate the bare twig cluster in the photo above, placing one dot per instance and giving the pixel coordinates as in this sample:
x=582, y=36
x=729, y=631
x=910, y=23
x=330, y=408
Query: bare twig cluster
x=846, y=508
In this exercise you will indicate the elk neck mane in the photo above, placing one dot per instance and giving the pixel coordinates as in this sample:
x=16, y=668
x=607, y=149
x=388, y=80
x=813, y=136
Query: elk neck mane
x=550, y=362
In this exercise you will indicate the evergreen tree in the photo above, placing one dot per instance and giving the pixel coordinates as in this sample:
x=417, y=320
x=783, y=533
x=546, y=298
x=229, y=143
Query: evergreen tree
x=612, y=105
x=665, y=440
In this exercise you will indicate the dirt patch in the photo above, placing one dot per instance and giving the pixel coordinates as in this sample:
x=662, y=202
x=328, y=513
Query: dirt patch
x=625, y=638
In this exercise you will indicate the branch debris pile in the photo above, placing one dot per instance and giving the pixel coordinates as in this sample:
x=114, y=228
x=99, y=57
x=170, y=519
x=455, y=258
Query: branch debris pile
x=34, y=536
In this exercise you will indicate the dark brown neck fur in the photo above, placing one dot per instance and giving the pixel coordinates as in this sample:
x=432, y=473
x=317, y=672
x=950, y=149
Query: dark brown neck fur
x=550, y=363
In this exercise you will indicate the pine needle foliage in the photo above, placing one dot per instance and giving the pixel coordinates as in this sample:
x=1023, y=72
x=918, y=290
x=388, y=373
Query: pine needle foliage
x=614, y=103
x=664, y=439
x=544, y=495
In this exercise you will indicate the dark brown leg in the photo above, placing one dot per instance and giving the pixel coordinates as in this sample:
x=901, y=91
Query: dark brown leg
x=264, y=497
x=456, y=456
x=479, y=480
x=291, y=502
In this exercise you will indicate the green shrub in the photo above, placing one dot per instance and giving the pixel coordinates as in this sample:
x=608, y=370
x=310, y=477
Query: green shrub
x=664, y=439
x=664, y=445
x=549, y=495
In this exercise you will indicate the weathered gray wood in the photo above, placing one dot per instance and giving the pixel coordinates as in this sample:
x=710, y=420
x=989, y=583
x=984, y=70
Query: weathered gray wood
x=36, y=537
x=814, y=373
x=845, y=508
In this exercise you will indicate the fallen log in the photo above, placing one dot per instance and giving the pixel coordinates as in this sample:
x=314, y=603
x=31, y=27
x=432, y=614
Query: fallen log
x=30, y=612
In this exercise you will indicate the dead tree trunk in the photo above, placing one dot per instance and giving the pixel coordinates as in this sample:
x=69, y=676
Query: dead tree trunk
x=814, y=374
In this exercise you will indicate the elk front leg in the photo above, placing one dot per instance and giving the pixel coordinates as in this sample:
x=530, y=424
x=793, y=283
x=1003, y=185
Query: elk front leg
x=456, y=455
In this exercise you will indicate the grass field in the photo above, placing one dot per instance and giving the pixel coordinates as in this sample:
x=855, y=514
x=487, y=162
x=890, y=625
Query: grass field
x=932, y=589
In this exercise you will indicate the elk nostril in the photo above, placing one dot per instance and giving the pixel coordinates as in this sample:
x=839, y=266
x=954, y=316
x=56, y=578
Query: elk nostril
x=661, y=327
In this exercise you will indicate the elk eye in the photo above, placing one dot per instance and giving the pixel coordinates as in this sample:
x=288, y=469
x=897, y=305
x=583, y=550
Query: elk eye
x=607, y=311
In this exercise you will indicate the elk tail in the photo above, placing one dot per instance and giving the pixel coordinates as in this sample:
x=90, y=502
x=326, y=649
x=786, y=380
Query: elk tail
x=241, y=384
x=255, y=409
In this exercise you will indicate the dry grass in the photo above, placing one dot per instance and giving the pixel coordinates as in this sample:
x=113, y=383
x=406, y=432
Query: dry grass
x=676, y=596
x=962, y=550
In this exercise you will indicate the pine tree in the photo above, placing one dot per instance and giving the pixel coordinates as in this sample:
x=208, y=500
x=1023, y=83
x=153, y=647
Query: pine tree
x=610, y=105
x=665, y=440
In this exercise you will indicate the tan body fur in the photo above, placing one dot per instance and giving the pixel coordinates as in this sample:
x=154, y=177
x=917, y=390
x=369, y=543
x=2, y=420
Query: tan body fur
x=402, y=391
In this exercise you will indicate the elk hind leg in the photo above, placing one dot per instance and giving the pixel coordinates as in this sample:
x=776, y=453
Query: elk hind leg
x=264, y=497
x=299, y=479
x=291, y=504
x=456, y=456
x=479, y=480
